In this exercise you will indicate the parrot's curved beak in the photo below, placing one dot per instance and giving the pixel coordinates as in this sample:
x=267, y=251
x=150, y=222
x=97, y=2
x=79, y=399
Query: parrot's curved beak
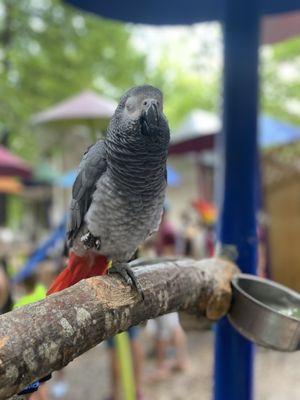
x=149, y=117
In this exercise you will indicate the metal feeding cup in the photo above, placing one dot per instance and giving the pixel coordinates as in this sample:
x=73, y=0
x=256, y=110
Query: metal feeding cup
x=265, y=312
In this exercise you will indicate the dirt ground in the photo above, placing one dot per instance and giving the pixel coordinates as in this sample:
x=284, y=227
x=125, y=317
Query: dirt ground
x=277, y=375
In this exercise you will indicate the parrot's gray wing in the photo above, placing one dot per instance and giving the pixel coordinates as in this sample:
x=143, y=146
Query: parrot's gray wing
x=92, y=166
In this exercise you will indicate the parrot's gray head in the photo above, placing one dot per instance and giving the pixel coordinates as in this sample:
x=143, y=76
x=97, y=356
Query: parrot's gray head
x=139, y=115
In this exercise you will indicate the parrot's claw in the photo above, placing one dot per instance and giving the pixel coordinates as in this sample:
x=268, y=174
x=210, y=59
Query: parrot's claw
x=90, y=241
x=126, y=272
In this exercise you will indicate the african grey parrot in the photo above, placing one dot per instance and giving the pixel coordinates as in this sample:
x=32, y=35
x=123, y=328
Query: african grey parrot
x=118, y=195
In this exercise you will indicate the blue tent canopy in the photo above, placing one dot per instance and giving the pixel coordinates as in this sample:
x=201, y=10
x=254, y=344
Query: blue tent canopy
x=195, y=130
x=67, y=179
x=273, y=132
x=176, y=12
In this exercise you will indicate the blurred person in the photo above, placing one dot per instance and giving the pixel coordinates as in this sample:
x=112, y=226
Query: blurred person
x=167, y=333
x=5, y=292
x=186, y=235
x=47, y=272
x=199, y=241
x=192, y=236
x=166, y=329
x=210, y=240
x=33, y=291
x=207, y=215
x=137, y=363
x=166, y=237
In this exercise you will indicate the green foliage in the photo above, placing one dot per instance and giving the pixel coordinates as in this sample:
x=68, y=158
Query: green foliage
x=189, y=93
x=185, y=92
x=48, y=52
x=15, y=211
x=281, y=80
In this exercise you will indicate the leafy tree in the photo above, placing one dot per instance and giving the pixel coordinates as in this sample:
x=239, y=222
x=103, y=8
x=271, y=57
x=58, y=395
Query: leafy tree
x=185, y=91
x=48, y=52
x=281, y=80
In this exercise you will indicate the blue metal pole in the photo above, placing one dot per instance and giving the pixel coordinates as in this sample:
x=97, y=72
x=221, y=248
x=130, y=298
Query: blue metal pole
x=237, y=224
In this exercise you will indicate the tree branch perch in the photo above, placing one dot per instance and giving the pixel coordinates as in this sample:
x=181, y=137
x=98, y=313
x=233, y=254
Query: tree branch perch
x=46, y=336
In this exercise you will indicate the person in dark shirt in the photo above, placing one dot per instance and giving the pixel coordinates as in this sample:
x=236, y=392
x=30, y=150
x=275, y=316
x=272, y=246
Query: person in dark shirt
x=6, y=303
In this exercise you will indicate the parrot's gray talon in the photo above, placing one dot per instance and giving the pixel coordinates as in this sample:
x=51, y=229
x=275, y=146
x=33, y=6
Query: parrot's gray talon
x=98, y=244
x=90, y=241
x=126, y=272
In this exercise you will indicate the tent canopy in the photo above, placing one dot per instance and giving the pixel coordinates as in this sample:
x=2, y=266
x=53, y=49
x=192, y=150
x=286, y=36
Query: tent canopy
x=84, y=106
x=45, y=173
x=198, y=132
x=180, y=12
x=11, y=165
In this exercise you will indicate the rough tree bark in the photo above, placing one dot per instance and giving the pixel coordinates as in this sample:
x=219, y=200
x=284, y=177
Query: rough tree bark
x=46, y=336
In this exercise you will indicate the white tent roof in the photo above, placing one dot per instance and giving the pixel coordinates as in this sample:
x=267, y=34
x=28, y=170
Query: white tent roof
x=197, y=123
x=85, y=105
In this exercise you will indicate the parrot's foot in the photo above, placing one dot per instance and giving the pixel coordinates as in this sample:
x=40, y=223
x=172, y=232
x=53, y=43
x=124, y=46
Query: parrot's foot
x=126, y=272
x=90, y=241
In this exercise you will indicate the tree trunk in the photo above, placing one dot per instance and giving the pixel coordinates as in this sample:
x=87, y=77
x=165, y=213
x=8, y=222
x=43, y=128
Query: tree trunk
x=45, y=336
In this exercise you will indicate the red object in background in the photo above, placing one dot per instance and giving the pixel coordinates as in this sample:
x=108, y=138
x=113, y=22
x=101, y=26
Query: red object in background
x=10, y=185
x=207, y=211
x=11, y=165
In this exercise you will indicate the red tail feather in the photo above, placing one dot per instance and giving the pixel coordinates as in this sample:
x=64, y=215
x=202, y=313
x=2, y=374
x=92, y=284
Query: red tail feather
x=79, y=268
